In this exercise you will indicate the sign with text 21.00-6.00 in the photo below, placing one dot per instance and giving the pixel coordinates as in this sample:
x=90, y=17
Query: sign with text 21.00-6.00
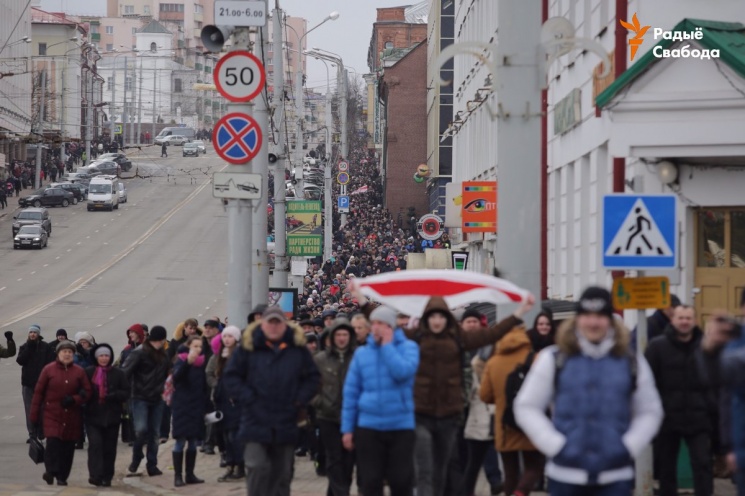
x=304, y=228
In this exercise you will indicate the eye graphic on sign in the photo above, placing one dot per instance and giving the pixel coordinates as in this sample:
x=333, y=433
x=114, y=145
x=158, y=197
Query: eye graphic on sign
x=475, y=206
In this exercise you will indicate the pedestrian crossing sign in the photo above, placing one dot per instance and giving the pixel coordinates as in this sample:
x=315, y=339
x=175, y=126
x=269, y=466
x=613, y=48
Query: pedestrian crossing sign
x=640, y=232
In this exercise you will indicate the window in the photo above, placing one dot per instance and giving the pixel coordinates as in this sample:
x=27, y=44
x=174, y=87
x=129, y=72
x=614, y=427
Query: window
x=128, y=84
x=198, y=9
x=109, y=29
x=109, y=47
x=129, y=9
x=147, y=9
x=172, y=7
x=110, y=83
x=42, y=48
x=177, y=85
x=153, y=47
x=389, y=44
x=134, y=31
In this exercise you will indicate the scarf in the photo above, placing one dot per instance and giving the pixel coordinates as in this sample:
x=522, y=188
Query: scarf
x=197, y=363
x=101, y=380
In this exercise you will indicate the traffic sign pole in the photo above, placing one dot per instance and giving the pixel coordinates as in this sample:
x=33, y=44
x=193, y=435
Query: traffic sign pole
x=327, y=212
x=645, y=460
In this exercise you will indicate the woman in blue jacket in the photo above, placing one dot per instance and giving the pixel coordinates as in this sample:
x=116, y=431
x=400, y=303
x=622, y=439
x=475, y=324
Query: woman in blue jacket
x=378, y=407
x=189, y=405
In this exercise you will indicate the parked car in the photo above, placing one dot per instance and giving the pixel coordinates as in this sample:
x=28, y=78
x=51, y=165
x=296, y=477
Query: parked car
x=119, y=158
x=174, y=139
x=33, y=216
x=51, y=197
x=190, y=149
x=77, y=194
x=30, y=237
x=202, y=147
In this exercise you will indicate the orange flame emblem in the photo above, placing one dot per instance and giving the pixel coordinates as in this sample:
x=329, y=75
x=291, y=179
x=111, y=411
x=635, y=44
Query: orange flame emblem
x=635, y=27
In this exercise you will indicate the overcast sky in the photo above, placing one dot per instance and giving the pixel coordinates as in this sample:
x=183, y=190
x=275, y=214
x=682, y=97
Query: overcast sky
x=348, y=36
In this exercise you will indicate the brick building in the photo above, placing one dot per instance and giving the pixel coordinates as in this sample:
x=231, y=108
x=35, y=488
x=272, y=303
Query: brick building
x=403, y=94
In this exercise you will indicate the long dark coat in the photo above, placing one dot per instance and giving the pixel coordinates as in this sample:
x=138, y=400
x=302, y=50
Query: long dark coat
x=190, y=399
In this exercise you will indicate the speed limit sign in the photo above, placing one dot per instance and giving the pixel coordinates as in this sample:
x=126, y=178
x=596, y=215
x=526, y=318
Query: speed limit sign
x=240, y=76
x=343, y=166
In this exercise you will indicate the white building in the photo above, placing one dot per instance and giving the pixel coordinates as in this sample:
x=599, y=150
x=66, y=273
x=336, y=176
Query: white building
x=686, y=111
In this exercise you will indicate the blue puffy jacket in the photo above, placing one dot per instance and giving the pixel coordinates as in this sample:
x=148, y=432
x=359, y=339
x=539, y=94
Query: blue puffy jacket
x=379, y=388
x=271, y=383
x=733, y=372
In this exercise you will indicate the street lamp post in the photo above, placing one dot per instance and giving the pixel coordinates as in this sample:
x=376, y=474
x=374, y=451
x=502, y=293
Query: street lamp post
x=344, y=95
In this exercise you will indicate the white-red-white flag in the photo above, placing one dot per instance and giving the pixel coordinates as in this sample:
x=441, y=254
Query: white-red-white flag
x=359, y=190
x=408, y=291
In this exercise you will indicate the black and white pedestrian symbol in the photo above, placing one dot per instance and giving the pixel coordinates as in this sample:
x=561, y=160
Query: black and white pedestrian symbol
x=639, y=235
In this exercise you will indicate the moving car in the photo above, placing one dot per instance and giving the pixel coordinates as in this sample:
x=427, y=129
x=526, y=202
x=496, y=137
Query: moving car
x=122, y=192
x=202, y=147
x=47, y=198
x=32, y=216
x=103, y=168
x=30, y=237
x=190, y=149
x=119, y=158
x=175, y=139
x=103, y=193
x=185, y=132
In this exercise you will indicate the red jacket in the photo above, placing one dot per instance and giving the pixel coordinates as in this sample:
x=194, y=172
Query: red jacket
x=56, y=382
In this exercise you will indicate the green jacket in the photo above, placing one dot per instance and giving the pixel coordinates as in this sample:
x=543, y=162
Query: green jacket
x=333, y=365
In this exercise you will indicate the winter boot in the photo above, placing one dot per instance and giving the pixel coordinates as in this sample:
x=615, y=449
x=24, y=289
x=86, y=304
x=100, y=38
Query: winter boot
x=239, y=472
x=191, y=461
x=178, y=469
x=227, y=475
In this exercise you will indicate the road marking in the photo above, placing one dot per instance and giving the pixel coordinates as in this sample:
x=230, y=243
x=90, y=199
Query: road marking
x=1, y=289
x=111, y=318
x=200, y=315
x=70, y=249
x=87, y=237
x=57, y=258
x=147, y=234
x=78, y=243
x=104, y=226
x=20, y=279
x=34, y=272
x=8, y=417
x=96, y=230
x=46, y=265
x=99, y=325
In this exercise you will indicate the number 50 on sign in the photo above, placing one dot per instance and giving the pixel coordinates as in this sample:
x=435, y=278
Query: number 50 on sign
x=240, y=76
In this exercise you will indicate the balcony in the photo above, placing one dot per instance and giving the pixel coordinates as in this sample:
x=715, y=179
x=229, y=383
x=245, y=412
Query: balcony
x=198, y=66
x=181, y=43
x=95, y=37
x=208, y=69
x=197, y=33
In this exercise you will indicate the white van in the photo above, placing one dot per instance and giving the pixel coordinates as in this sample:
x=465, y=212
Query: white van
x=187, y=132
x=103, y=193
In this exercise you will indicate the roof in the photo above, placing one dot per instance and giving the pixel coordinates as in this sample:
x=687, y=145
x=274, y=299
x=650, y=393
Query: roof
x=154, y=27
x=727, y=37
x=417, y=13
x=42, y=16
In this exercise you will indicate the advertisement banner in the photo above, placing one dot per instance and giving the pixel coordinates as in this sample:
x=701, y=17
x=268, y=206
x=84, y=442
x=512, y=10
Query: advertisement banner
x=304, y=228
x=479, y=207
x=286, y=299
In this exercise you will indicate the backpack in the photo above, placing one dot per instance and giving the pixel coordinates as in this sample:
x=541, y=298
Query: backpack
x=561, y=358
x=515, y=380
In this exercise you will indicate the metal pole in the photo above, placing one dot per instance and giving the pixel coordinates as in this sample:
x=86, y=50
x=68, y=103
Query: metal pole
x=260, y=165
x=89, y=119
x=37, y=180
x=139, y=106
x=299, y=105
x=239, y=226
x=328, y=211
x=62, y=117
x=279, y=279
x=124, y=111
x=155, y=80
x=112, y=103
x=344, y=136
x=644, y=462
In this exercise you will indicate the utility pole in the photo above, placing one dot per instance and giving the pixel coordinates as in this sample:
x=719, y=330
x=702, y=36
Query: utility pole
x=155, y=80
x=260, y=165
x=139, y=106
x=299, y=111
x=89, y=119
x=43, y=77
x=61, y=111
x=279, y=278
x=328, y=209
x=125, y=117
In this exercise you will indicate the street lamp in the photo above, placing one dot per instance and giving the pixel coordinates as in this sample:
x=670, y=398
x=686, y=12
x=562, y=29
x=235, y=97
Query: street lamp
x=342, y=86
x=25, y=39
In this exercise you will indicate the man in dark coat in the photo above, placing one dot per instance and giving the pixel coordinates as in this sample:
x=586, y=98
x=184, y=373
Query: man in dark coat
x=33, y=356
x=272, y=375
x=109, y=391
x=333, y=364
x=164, y=150
x=658, y=321
x=146, y=369
x=686, y=401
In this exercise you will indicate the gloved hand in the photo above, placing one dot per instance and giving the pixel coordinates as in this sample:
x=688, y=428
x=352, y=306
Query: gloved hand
x=9, y=335
x=82, y=394
x=68, y=401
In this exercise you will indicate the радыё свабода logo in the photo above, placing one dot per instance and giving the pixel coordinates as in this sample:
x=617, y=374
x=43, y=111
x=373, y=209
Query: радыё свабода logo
x=635, y=27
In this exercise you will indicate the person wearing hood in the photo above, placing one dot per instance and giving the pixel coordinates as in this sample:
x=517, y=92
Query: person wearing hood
x=63, y=389
x=604, y=402
x=184, y=330
x=686, y=400
x=33, y=356
x=271, y=376
x=377, y=416
x=513, y=350
x=84, y=342
x=135, y=338
x=438, y=390
x=146, y=369
x=543, y=333
x=103, y=414
x=189, y=406
x=333, y=364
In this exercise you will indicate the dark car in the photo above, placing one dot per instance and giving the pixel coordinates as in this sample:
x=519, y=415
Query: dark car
x=32, y=216
x=107, y=168
x=47, y=198
x=119, y=158
x=77, y=193
x=30, y=237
